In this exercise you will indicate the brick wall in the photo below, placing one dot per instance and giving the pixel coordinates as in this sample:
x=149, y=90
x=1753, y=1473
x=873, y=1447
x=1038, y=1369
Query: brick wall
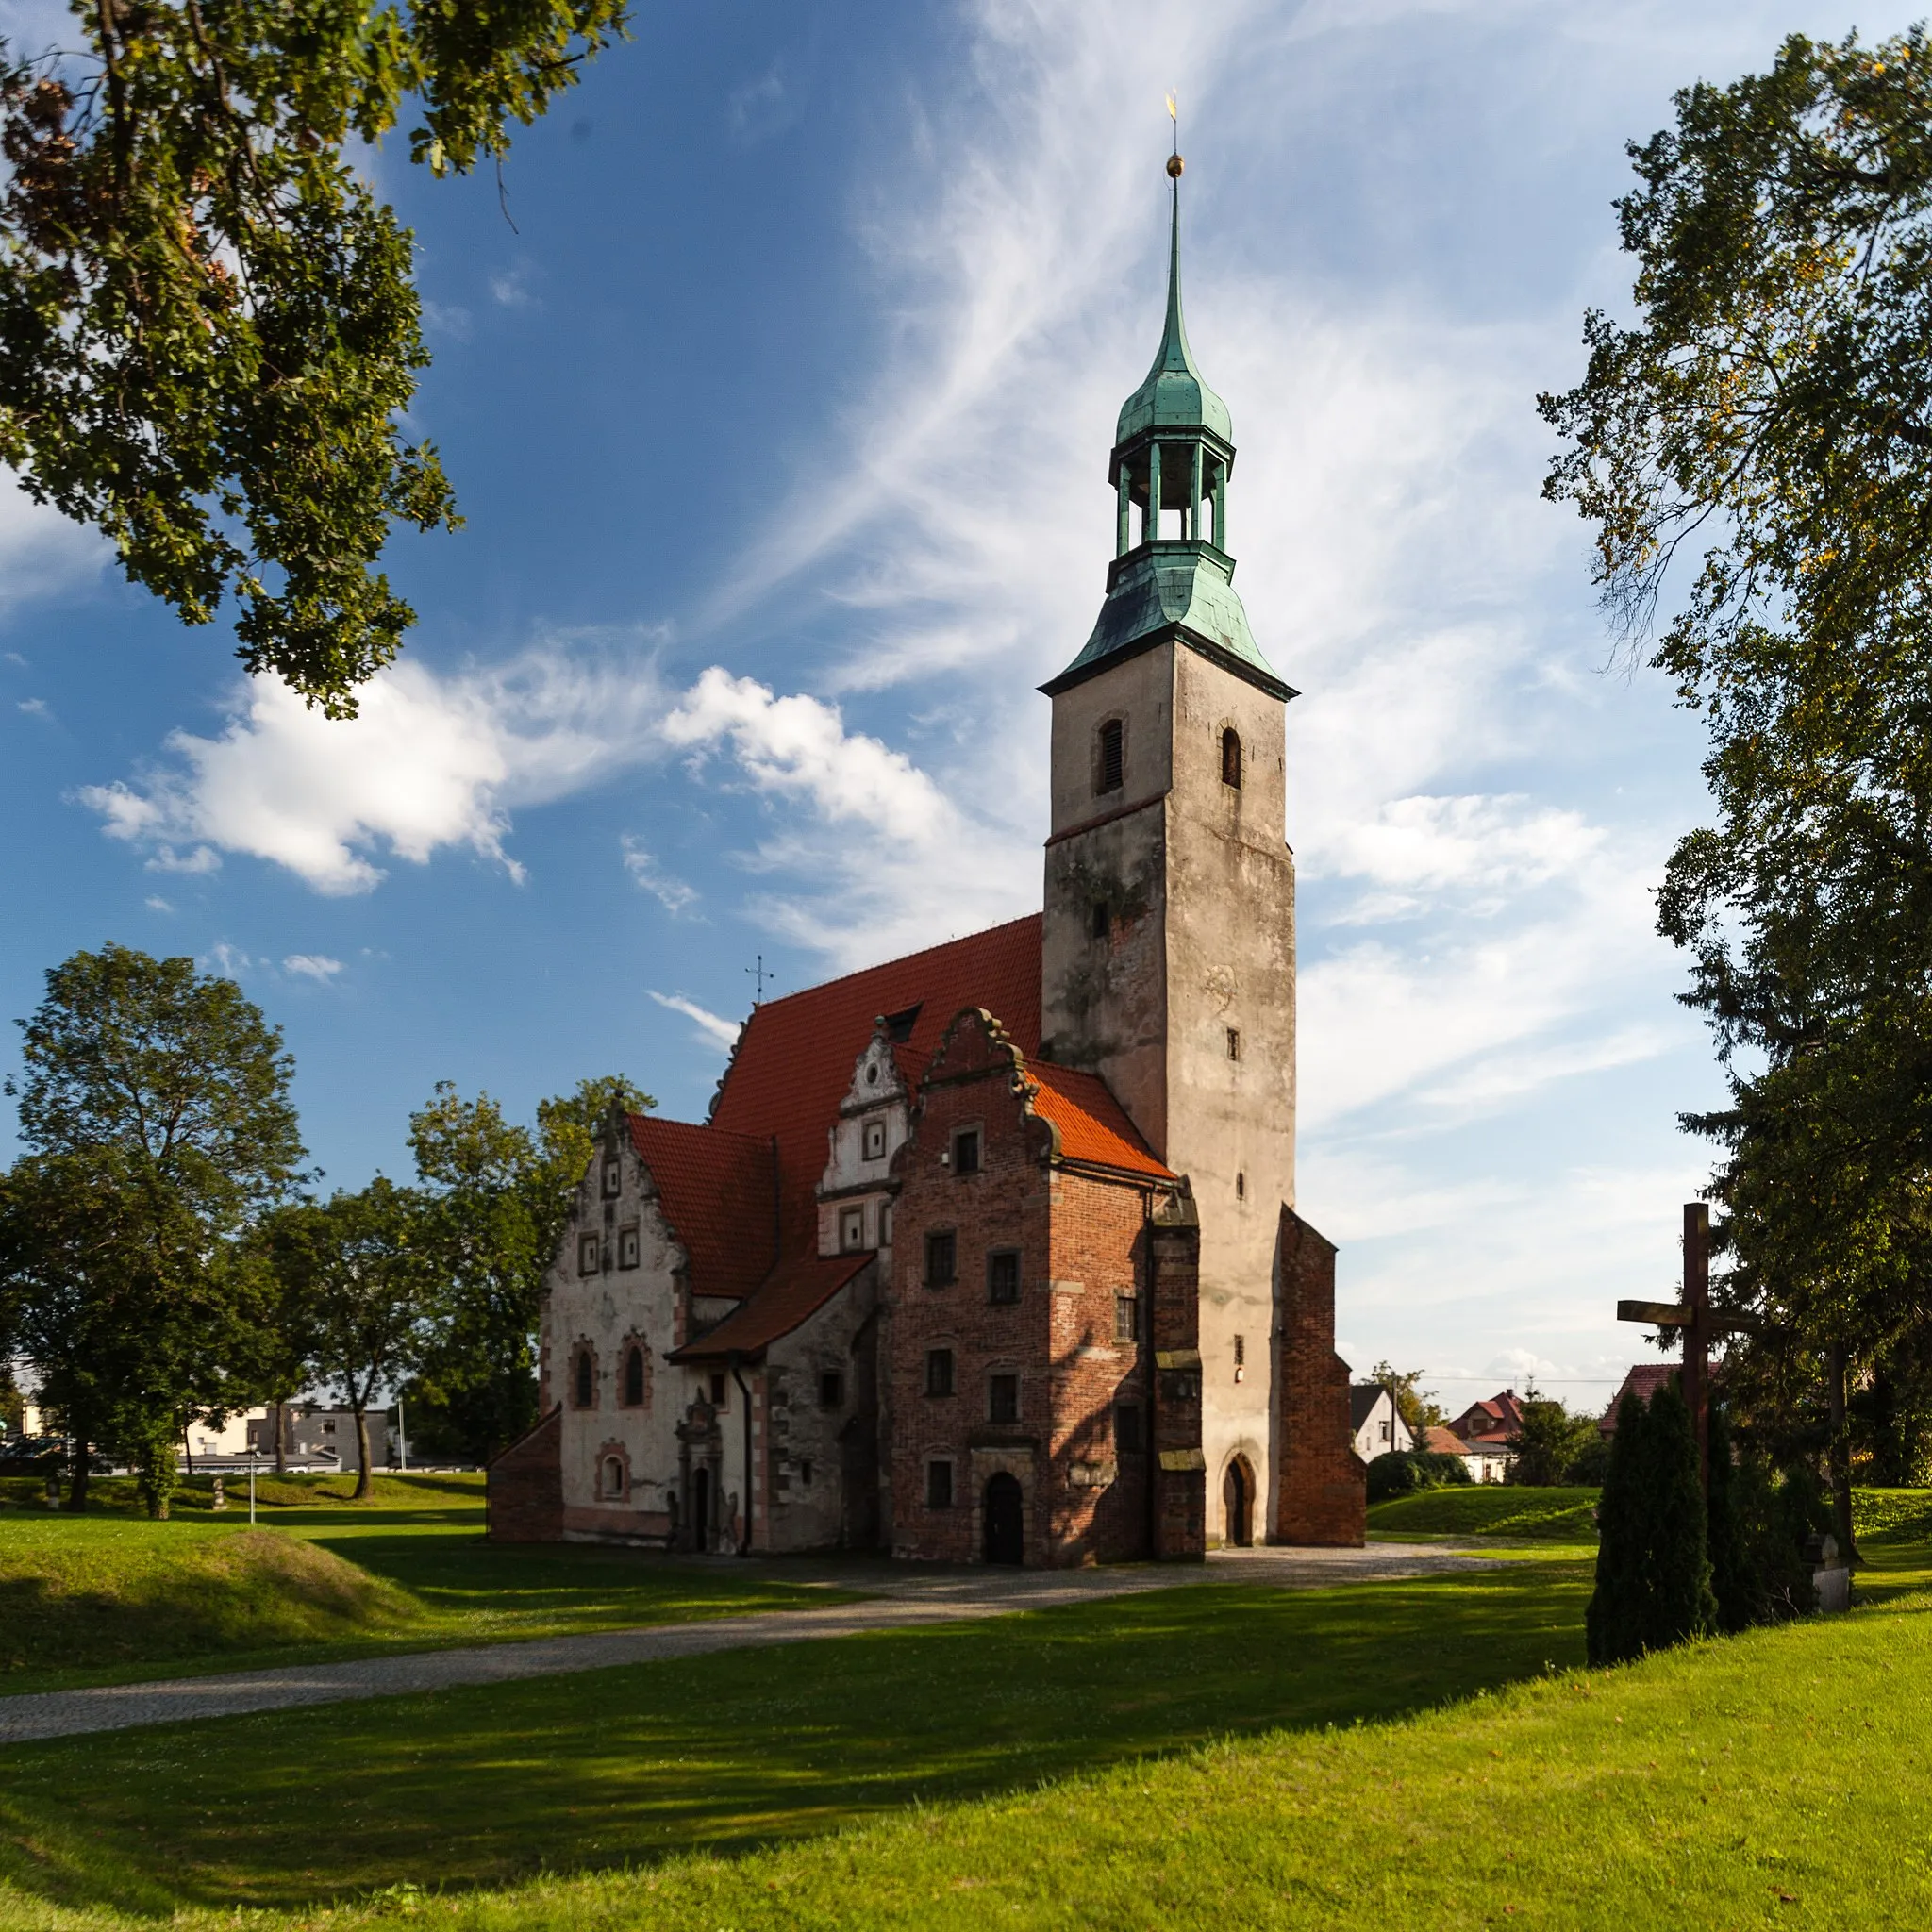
x=1084, y=1239
x=1173, y=1239
x=523, y=1487
x=1320, y=1486
x=973, y=1081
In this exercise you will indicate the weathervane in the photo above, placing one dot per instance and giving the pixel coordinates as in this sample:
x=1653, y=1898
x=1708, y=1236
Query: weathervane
x=1175, y=163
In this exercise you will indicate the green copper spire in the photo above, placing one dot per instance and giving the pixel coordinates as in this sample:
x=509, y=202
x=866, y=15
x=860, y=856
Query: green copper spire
x=1174, y=395
x=1171, y=579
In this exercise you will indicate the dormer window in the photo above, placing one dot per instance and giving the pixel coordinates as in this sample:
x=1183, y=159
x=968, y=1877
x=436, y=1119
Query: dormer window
x=1231, y=759
x=875, y=1139
x=1110, y=765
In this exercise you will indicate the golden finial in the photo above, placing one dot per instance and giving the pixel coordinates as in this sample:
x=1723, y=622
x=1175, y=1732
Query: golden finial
x=1175, y=165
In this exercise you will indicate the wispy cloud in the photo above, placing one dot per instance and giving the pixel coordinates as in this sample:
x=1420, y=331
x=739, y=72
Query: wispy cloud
x=712, y=1029
x=648, y=875
x=315, y=966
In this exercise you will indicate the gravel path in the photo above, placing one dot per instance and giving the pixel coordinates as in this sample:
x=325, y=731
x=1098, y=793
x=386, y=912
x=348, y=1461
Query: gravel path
x=903, y=1598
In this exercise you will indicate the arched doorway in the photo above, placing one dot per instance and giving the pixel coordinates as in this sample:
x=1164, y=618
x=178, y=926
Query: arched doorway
x=1005, y=1520
x=701, y=1509
x=1237, y=1503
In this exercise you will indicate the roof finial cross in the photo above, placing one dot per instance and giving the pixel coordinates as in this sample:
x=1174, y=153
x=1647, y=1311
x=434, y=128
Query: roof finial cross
x=759, y=977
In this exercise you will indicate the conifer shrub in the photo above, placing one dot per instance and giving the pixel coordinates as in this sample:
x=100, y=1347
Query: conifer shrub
x=1653, y=1571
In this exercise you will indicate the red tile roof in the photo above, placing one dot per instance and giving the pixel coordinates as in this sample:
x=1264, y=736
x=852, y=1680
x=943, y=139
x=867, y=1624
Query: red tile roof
x=790, y=1069
x=794, y=1060
x=1439, y=1441
x=717, y=1192
x=1092, y=1124
x=796, y=1291
x=1643, y=1381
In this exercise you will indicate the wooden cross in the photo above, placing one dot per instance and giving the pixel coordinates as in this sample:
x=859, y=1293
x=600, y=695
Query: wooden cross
x=1698, y=1324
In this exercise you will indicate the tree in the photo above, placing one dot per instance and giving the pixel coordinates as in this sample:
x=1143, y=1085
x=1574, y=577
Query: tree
x=1653, y=1570
x=209, y=331
x=155, y=1113
x=365, y=1274
x=1416, y=1404
x=1772, y=405
x=1549, y=1442
x=499, y=1195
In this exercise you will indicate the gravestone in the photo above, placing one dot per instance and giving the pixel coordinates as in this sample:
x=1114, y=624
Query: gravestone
x=221, y=1501
x=1831, y=1577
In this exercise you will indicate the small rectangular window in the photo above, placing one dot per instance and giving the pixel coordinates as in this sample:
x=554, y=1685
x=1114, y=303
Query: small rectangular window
x=1003, y=1398
x=852, y=1229
x=1234, y=1043
x=1112, y=757
x=718, y=1391
x=938, y=1485
x=938, y=1372
x=941, y=1251
x=586, y=1254
x=805, y=1472
x=1126, y=1429
x=613, y=1179
x=875, y=1139
x=831, y=1389
x=626, y=1247
x=1003, y=1275
x=1126, y=1317
x=966, y=1150
x=1102, y=919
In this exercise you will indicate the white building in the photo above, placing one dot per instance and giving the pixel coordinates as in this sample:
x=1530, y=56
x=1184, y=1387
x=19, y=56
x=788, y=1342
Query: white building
x=1379, y=1429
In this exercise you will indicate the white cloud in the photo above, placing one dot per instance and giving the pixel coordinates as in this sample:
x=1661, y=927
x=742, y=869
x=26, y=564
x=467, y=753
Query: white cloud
x=315, y=966
x=669, y=892
x=712, y=1029
x=34, y=708
x=885, y=862
x=511, y=287
x=156, y=904
x=429, y=762
x=229, y=961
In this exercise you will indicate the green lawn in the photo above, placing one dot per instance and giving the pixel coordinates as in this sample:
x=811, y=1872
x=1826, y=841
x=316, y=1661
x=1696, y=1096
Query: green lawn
x=484, y=1786
x=1500, y=1509
x=110, y=1597
x=1219, y=1756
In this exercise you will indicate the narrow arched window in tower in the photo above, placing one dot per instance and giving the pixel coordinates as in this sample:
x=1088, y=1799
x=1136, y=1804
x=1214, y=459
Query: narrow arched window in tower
x=634, y=1377
x=1231, y=758
x=586, y=1378
x=1112, y=760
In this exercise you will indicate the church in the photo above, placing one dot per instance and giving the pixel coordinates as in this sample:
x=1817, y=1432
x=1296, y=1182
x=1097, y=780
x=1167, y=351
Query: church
x=990, y=1254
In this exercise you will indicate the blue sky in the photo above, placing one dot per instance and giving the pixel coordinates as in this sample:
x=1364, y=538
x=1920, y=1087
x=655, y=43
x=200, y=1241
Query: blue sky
x=781, y=422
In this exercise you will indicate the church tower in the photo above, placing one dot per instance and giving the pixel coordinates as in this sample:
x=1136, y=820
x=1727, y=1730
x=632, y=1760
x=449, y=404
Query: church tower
x=1168, y=960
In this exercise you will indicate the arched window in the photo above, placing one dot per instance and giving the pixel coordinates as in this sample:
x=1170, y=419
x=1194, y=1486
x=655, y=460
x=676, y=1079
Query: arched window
x=613, y=1475
x=586, y=1378
x=1112, y=761
x=634, y=1377
x=1231, y=758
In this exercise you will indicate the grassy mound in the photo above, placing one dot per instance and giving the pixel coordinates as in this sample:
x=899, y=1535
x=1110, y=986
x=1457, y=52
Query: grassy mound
x=115, y=1495
x=1563, y=1516
x=159, y=1592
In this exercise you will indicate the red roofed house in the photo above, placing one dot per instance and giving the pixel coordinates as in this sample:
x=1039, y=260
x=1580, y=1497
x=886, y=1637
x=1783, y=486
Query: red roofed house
x=1642, y=1380
x=989, y=1253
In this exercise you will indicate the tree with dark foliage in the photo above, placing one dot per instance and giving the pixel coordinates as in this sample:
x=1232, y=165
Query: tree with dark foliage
x=209, y=326
x=155, y=1113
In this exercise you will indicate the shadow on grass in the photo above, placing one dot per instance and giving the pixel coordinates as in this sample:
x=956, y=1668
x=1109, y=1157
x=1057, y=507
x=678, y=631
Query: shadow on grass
x=482, y=1786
